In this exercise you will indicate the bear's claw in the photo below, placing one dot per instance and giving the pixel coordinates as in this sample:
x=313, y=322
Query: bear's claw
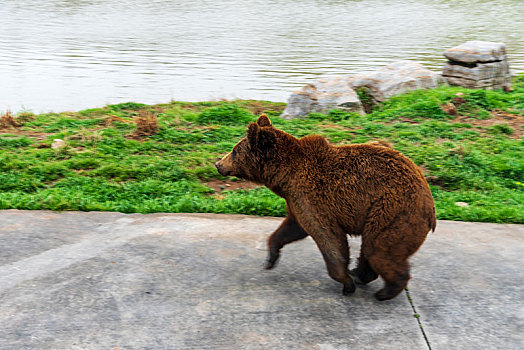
x=388, y=292
x=271, y=260
x=268, y=265
x=382, y=295
x=349, y=289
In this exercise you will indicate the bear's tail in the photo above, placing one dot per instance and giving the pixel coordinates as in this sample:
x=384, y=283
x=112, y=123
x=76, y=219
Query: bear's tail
x=433, y=220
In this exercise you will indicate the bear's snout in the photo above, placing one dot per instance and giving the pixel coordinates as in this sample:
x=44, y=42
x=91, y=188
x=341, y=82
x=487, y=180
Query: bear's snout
x=224, y=165
x=220, y=169
x=218, y=165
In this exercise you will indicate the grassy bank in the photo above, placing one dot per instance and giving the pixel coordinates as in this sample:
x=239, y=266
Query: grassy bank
x=139, y=158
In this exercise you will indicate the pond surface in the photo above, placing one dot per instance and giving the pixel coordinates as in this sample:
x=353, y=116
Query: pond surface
x=70, y=55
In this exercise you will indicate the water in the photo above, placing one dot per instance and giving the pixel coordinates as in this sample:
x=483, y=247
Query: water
x=70, y=55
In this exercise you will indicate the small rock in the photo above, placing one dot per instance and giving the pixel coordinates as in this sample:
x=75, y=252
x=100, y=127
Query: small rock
x=57, y=143
x=462, y=204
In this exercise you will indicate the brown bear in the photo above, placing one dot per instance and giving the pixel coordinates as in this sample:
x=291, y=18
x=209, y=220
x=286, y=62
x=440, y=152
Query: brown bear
x=334, y=191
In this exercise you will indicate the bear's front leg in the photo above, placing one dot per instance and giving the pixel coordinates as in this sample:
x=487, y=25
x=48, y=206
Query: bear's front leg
x=335, y=250
x=289, y=231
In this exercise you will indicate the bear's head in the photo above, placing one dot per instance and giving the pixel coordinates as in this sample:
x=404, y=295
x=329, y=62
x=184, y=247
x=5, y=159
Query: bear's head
x=252, y=155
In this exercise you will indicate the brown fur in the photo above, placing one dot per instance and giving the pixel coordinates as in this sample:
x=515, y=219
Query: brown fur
x=332, y=191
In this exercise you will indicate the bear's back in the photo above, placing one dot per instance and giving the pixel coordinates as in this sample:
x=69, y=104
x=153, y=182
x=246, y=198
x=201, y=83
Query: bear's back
x=369, y=169
x=353, y=183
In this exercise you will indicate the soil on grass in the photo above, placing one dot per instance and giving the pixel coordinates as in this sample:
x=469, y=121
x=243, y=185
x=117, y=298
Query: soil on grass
x=112, y=119
x=515, y=121
x=28, y=133
x=227, y=185
x=254, y=106
x=260, y=107
x=402, y=120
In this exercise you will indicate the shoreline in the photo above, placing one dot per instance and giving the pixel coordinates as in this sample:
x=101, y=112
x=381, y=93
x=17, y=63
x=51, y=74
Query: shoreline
x=137, y=158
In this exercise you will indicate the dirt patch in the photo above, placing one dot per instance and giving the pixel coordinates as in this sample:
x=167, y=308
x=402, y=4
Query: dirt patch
x=192, y=106
x=407, y=120
x=157, y=109
x=440, y=140
x=227, y=185
x=110, y=120
x=333, y=126
x=432, y=179
x=515, y=121
x=402, y=120
x=260, y=107
x=32, y=134
x=255, y=107
x=435, y=181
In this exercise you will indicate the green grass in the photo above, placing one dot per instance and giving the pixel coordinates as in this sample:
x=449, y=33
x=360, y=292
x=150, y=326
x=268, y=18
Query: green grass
x=104, y=167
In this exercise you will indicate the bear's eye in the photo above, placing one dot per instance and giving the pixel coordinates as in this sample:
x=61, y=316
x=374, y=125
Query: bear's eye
x=234, y=153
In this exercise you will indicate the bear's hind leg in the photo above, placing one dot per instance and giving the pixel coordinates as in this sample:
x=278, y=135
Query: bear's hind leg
x=390, y=260
x=395, y=274
x=389, y=249
x=289, y=231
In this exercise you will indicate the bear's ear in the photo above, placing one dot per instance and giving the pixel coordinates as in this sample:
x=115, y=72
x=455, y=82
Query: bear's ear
x=263, y=120
x=252, y=132
x=259, y=139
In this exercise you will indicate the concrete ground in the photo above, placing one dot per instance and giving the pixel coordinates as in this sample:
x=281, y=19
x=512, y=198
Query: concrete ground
x=171, y=281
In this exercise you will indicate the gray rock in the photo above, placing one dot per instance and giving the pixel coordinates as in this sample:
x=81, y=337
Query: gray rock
x=482, y=71
x=339, y=92
x=477, y=51
x=477, y=64
x=300, y=103
x=478, y=84
x=322, y=96
x=394, y=79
